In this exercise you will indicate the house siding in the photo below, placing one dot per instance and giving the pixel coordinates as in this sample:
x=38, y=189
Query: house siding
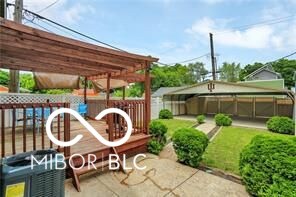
x=263, y=75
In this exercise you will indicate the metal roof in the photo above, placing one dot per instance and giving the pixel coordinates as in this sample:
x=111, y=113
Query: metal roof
x=165, y=90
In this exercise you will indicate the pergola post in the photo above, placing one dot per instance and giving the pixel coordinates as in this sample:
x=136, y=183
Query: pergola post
x=108, y=90
x=254, y=107
x=147, y=96
x=235, y=106
x=123, y=92
x=85, y=90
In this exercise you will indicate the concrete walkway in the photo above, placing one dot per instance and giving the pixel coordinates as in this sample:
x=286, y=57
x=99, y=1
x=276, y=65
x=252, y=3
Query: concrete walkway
x=258, y=124
x=206, y=127
x=162, y=177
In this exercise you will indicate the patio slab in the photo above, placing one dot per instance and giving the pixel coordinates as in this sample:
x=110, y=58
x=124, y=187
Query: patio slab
x=206, y=127
x=162, y=177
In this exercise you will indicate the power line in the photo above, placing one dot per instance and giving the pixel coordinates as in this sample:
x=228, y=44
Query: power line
x=32, y=21
x=62, y=30
x=190, y=60
x=68, y=28
x=47, y=6
x=262, y=23
x=291, y=54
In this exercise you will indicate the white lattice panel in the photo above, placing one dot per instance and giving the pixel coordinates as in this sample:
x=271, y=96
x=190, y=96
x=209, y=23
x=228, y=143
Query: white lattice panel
x=36, y=98
x=39, y=98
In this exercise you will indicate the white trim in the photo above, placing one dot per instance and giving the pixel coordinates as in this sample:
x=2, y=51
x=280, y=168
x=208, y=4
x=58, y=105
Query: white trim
x=253, y=81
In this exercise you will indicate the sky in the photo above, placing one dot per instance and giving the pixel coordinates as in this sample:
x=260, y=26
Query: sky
x=178, y=30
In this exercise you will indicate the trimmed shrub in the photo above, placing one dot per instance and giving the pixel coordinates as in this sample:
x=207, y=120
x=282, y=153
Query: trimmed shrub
x=189, y=145
x=165, y=114
x=200, y=119
x=281, y=124
x=158, y=132
x=268, y=166
x=223, y=120
x=154, y=146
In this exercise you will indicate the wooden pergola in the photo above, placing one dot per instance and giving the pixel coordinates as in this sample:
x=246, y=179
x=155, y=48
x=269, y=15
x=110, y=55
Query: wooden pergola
x=30, y=49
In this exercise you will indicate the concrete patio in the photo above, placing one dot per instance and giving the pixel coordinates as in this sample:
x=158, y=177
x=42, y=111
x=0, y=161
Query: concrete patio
x=162, y=177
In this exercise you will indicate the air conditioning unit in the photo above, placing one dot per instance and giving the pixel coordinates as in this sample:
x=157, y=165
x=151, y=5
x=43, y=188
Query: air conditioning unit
x=20, y=178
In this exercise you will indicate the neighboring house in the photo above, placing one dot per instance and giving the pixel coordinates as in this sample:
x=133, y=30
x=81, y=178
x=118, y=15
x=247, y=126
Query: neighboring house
x=89, y=92
x=164, y=90
x=264, y=73
x=3, y=89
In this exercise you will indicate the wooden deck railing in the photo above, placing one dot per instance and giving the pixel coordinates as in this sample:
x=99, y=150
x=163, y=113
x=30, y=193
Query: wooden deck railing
x=16, y=139
x=136, y=111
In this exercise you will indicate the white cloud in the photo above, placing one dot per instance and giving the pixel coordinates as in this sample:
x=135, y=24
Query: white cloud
x=279, y=36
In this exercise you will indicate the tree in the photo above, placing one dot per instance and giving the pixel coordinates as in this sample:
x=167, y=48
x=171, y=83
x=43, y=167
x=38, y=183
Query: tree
x=4, y=77
x=197, y=71
x=286, y=68
x=230, y=72
x=170, y=76
x=248, y=69
x=27, y=81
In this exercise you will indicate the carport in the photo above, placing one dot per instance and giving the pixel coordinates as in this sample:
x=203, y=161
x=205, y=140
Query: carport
x=235, y=99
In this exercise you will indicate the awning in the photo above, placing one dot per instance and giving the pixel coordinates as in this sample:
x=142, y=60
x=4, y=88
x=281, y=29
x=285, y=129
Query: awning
x=55, y=81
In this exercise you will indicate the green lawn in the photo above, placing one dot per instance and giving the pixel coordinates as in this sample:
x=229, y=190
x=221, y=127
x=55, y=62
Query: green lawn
x=175, y=124
x=223, y=152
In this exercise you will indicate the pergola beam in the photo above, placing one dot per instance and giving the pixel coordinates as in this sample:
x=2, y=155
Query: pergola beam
x=53, y=37
x=65, y=48
x=60, y=53
x=42, y=60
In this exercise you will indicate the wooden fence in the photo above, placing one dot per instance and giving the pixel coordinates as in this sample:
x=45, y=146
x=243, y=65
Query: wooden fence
x=250, y=107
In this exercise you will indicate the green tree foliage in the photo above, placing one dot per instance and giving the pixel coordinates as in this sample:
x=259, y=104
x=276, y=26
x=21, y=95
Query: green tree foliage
x=27, y=81
x=286, y=68
x=4, y=77
x=134, y=90
x=197, y=71
x=248, y=69
x=170, y=76
x=230, y=72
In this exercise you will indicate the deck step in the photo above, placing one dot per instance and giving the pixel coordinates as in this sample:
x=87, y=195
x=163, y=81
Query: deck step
x=88, y=168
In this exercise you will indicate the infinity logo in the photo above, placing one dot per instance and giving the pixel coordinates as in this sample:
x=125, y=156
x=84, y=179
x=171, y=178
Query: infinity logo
x=89, y=127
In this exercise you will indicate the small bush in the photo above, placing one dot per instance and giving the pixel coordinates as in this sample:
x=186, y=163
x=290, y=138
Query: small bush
x=280, y=124
x=200, y=119
x=268, y=166
x=165, y=114
x=158, y=136
x=223, y=120
x=154, y=147
x=189, y=145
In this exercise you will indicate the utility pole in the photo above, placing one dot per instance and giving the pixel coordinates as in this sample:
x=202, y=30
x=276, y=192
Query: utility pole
x=14, y=75
x=213, y=57
x=3, y=8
